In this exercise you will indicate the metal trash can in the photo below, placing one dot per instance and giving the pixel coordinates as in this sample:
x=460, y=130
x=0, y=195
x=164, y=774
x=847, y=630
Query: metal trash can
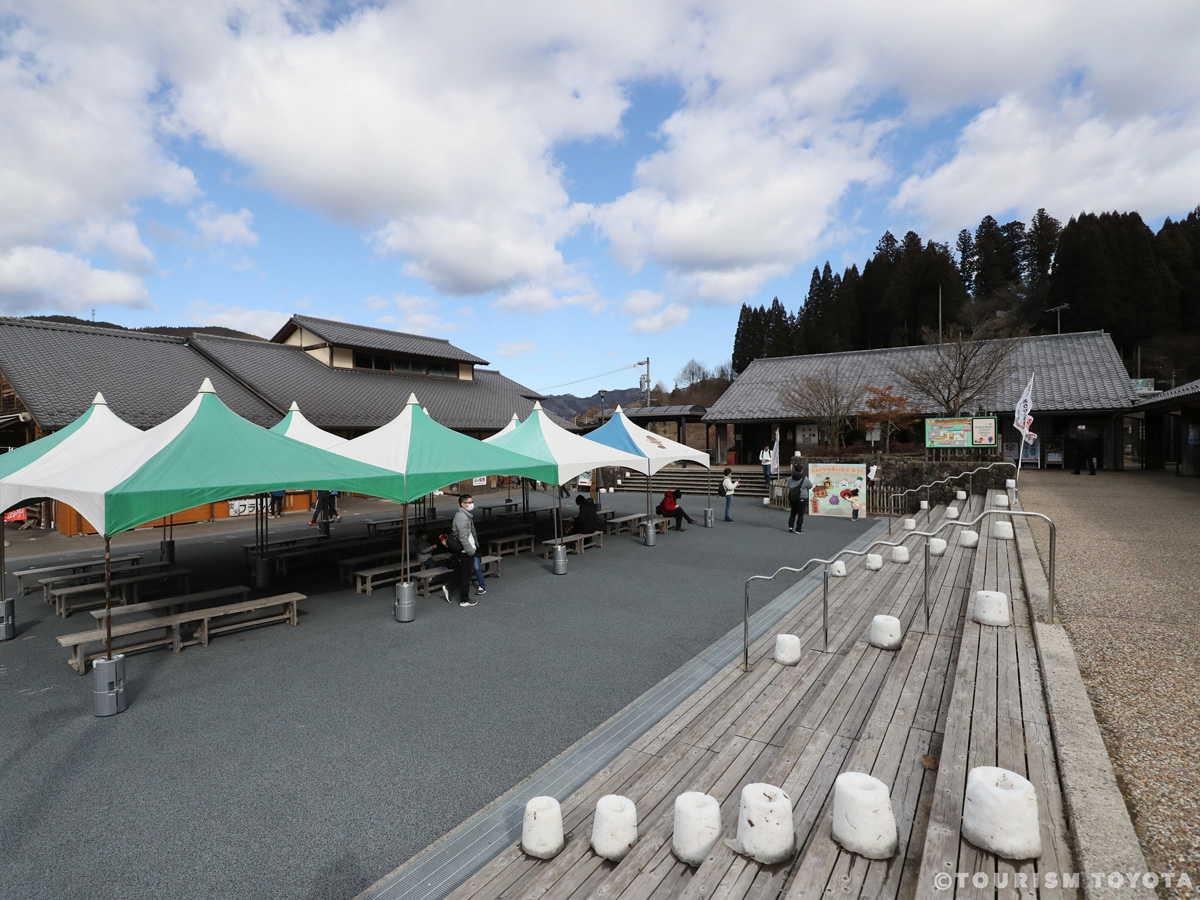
x=709, y=516
x=560, y=559
x=323, y=527
x=166, y=551
x=108, y=685
x=262, y=573
x=405, y=608
x=8, y=619
x=651, y=534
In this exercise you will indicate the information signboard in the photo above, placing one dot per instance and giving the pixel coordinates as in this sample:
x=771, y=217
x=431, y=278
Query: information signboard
x=832, y=486
x=966, y=431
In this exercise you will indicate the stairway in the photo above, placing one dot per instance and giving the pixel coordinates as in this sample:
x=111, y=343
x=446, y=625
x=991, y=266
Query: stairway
x=694, y=479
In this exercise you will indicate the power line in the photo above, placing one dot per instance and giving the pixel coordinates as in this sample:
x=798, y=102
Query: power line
x=592, y=377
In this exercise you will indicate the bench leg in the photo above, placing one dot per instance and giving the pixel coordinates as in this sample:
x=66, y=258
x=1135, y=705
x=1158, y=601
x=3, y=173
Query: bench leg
x=79, y=661
x=293, y=613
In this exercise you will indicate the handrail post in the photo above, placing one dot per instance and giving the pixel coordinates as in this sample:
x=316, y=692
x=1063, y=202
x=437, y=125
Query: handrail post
x=926, y=598
x=825, y=609
x=1053, y=541
x=746, y=632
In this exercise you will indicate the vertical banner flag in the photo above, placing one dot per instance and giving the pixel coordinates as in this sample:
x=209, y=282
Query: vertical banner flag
x=1021, y=417
x=775, y=455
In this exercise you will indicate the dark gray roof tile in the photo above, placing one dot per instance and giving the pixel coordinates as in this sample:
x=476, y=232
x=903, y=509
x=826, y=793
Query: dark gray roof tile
x=364, y=337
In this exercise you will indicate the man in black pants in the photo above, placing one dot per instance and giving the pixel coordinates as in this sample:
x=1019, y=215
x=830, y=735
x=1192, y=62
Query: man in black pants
x=1085, y=448
x=463, y=527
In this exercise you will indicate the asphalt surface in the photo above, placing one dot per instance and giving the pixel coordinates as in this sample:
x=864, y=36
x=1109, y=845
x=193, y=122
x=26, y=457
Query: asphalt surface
x=308, y=762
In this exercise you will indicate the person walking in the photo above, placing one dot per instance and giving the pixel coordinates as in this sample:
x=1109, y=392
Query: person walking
x=276, y=511
x=799, y=486
x=728, y=486
x=765, y=458
x=464, y=545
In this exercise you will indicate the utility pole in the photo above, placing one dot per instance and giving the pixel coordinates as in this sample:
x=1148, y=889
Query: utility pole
x=645, y=380
x=1059, y=309
x=939, y=313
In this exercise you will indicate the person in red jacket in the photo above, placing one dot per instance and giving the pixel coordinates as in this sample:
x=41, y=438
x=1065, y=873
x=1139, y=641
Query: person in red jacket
x=671, y=508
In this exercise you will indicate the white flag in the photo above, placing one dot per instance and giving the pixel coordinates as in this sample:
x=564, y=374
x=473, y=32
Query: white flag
x=1022, y=420
x=775, y=455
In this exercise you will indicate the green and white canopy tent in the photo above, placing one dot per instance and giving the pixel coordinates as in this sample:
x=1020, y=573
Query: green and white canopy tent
x=298, y=428
x=569, y=453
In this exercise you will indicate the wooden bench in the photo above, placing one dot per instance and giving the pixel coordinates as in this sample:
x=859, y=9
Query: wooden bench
x=347, y=566
x=366, y=580
x=618, y=524
x=660, y=525
x=172, y=628
x=127, y=588
x=502, y=509
x=57, y=581
x=512, y=543
x=321, y=552
x=71, y=568
x=285, y=545
x=491, y=566
x=385, y=522
x=424, y=578
x=173, y=605
x=576, y=543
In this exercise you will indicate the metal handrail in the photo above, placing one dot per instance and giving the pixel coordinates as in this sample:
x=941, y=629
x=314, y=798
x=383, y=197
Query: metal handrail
x=926, y=487
x=882, y=543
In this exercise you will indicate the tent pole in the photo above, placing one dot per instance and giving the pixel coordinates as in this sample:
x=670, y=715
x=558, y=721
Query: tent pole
x=3, y=561
x=108, y=594
x=558, y=524
x=405, y=555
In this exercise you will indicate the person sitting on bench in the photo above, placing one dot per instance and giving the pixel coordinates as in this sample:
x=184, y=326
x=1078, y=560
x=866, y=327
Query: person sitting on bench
x=587, y=521
x=672, y=509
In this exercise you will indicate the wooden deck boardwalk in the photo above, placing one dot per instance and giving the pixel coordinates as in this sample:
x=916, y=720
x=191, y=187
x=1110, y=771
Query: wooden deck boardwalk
x=954, y=696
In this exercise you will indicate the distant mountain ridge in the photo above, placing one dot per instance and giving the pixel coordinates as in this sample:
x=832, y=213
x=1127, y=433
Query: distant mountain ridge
x=568, y=405
x=170, y=330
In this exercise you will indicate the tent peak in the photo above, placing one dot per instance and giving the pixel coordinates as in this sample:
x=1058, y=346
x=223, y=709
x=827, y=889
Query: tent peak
x=412, y=400
x=617, y=408
x=295, y=407
x=537, y=405
x=206, y=387
x=99, y=400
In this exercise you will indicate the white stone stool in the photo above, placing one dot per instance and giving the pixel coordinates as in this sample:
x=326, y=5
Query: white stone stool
x=899, y=554
x=614, y=827
x=697, y=827
x=766, y=501
x=1002, y=531
x=1000, y=813
x=924, y=504
x=863, y=821
x=765, y=832
x=937, y=547
x=1010, y=483
x=1000, y=501
x=874, y=562
x=787, y=649
x=992, y=608
x=960, y=495
x=951, y=512
x=886, y=633
x=968, y=539
x=542, y=832
x=910, y=524
x=838, y=569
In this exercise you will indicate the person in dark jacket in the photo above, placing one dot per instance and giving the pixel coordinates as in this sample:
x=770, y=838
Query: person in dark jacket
x=587, y=521
x=799, y=486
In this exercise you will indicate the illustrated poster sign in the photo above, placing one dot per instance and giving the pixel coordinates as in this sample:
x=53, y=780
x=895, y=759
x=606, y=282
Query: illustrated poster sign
x=832, y=484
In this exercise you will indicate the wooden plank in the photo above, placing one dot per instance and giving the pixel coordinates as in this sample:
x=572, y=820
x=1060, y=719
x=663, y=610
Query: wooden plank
x=1043, y=773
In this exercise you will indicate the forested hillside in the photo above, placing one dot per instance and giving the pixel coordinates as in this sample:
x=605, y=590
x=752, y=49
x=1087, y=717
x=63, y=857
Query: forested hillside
x=1107, y=272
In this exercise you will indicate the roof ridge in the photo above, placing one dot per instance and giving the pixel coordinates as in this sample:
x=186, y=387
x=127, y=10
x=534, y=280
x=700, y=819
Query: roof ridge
x=423, y=337
x=91, y=329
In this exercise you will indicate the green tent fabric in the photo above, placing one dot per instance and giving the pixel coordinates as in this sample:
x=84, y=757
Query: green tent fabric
x=204, y=453
x=430, y=456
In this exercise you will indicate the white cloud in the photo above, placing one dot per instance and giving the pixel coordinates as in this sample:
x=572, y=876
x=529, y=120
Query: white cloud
x=515, y=349
x=534, y=299
x=414, y=315
x=671, y=316
x=262, y=322
x=642, y=302
x=41, y=278
x=224, y=228
x=119, y=238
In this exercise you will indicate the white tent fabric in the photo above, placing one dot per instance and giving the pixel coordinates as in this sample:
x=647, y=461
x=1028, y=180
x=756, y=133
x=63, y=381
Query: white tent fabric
x=657, y=451
x=512, y=423
x=541, y=438
x=386, y=446
x=61, y=472
x=298, y=428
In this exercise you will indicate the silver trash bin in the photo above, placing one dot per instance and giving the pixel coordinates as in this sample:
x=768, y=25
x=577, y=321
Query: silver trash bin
x=651, y=534
x=108, y=686
x=709, y=515
x=166, y=551
x=8, y=619
x=405, y=608
x=262, y=573
x=560, y=559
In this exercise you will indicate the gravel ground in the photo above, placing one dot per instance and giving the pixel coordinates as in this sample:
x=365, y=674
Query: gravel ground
x=308, y=762
x=1128, y=582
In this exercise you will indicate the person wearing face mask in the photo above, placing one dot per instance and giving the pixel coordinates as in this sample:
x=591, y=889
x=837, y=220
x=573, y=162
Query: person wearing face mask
x=463, y=528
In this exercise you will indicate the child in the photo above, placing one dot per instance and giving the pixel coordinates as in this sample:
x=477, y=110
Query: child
x=855, y=505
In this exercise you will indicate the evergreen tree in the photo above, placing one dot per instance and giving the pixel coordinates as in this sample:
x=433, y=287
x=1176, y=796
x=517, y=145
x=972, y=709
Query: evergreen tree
x=742, y=355
x=778, y=331
x=968, y=261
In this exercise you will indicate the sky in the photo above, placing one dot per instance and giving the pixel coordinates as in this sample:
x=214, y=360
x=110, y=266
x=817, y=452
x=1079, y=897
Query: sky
x=561, y=188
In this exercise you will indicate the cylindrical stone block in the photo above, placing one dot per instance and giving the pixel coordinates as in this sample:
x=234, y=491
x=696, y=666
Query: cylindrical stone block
x=863, y=821
x=405, y=607
x=1002, y=531
x=8, y=619
x=1000, y=501
x=1010, y=483
x=838, y=569
x=910, y=524
x=886, y=633
x=560, y=558
x=542, y=831
x=1000, y=813
x=697, y=827
x=992, y=608
x=874, y=562
x=951, y=512
x=900, y=554
x=614, y=827
x=937, y=547
x=765, y=830
x=108, y=686
x=968, y=539
x=788, y=649
x=960, y=495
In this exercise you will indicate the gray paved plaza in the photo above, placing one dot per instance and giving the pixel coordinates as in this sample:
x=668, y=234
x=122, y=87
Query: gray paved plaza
x=309, y=762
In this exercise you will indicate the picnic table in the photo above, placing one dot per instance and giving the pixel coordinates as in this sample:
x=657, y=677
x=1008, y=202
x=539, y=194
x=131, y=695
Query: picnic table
x=127, y=588
x=73, y=568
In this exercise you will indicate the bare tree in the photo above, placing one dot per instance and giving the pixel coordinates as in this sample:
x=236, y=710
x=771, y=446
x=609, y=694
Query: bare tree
x=887, y=410
x=831, y=397
x=963, y=371
x=692, y=373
